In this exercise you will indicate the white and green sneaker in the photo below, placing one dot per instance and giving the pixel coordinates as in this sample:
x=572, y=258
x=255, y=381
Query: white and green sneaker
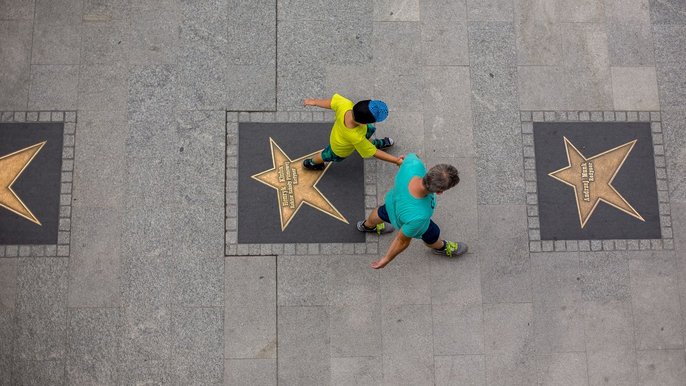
x=378, y=229
x=452, y=249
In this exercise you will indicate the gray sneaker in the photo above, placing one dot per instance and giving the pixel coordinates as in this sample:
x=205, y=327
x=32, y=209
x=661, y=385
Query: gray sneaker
x=378, y=229
x=452, y=249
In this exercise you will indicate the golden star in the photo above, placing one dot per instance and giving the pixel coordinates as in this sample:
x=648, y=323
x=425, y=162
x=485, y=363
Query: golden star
x=592, y=179
x=11, y=167
x=295, y=185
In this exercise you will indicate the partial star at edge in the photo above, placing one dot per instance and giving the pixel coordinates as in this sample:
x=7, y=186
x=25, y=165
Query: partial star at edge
x=11, y=167
x=295, y=185
x=602, y=169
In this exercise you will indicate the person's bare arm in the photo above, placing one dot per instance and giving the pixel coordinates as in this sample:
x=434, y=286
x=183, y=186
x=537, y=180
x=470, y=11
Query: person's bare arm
x=399, y=244
x=323, y=103
x=382, y=155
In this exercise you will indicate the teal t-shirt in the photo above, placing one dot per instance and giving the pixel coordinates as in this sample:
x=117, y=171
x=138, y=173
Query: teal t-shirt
x=409, y=214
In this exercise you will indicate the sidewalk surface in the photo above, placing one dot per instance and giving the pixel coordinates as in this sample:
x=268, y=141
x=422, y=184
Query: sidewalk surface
x=147, y=284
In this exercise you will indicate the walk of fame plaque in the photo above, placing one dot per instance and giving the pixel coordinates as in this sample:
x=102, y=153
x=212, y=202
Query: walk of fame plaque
x=280, y=201
x=30, y=173
x=596, y=180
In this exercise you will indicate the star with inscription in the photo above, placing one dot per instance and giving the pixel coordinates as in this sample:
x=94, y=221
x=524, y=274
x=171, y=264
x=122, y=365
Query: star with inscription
x=295, y=185
x=11, y=167
x=592, y=179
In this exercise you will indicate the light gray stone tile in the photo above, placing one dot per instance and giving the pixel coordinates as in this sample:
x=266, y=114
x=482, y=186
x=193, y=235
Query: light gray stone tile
x=504, y=259
x=353, y=82
x=146, y=337
x=564, y=88
x=355, y=331
x=612, y=368
x=555, y=278
x=250, y=275
x=104, y=43
x=154, y=34
x=655, y=301
x=562, y=369
x=407, y=350
x=490, y=10
x=407, y=279
x=8, y=284
x=508, y=328
x=94, y=337
x=559, y=328
x=253, y=43
x=661, y=367
x=604, y=276
x=56, y=44
x=147, y=281
x=251, y=87
x=396, y=46
x=303, y=350
x=674, y=124
x=41, y=308
x=539, y=37
x=103, y=87
x=447, y=129
x=584, y=46
x=53, y=87
x=608, y=326
x=94, y=269
x=630, y=43
x=356, y=371
x=15, y=38
x=583, y=11
x=105, y=10
x=58, y=11
x=258, y=372
x=460, y=370
x=45, y=372
x=444, y=45
x=302, y=281
x=667, y=12
x=350, y=281
x=250, y=331
x=456, y=281
x=206, y=371
x=198, y=282
x=669, y=56
x=396, y=10
x=146, y=372
x=457, y=329
x=16, y=9
x=197, y=332
x=511, y=369
x=635, y=88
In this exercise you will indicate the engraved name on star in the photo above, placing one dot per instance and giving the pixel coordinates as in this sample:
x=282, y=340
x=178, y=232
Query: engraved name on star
x=592, y=179
x=11, y=167
x=295, y=185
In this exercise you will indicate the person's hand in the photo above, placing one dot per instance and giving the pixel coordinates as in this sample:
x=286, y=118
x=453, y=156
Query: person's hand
x=379, y=264
x=400, y=160
x=308, y=102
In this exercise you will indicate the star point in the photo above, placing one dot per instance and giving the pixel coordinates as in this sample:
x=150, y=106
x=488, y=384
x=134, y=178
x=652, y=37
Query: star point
x=11, y=167
x=295, y=185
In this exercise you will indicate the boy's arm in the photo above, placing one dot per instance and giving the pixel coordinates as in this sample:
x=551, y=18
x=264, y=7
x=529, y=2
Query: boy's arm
x=323, y=103
x=399, y=244
x=382, y=155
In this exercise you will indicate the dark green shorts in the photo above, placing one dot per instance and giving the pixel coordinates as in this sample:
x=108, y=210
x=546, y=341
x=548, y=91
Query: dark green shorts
x=329, y=156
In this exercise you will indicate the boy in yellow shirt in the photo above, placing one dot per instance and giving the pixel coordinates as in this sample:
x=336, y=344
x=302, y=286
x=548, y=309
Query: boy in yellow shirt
x=351, y=131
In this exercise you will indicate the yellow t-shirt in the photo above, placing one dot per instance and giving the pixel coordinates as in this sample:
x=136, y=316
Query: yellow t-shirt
x=344, y=140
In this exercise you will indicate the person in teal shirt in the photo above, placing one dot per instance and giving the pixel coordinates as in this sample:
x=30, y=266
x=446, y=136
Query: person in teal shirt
x=409, y=206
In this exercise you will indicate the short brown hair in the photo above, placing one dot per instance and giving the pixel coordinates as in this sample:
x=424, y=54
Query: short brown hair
x=441, y=178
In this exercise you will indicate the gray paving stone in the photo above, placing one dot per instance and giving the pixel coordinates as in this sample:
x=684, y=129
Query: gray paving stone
x=447, y=129
x=58, y=12
x=457, y=329
x=303, y=349
x=252, y=87
x=444, y=45
x=407, y=349
x=95, y=266
x=302, y=281
x=250, y=331
x=396, y=46
x=456, y=281
x=608, y=326
x=203, y=81
x=56, y=44
x=604, y=276
x=147, y=337
x=41, y=308
x=491, y=10
x=104, y=43
x=355, y=330
x=103, y=87
x=198, y=282
x=356, y=371
x=655, y=301
x=556, y=87
x=45, y=372
x=509, y=369
x=669, y=56
x=504, y=259
x=146, y=372
x=350, y=281
x=8, y=284
x=630, y=43
x=407, y=279
x=538, y=36
x=105, y=10
x=460, y=370
x=15, y=37
x=400, y=89
x=612, y=368
x=562, y=368
x=253, y=43
x=154, y=33
x=635, y=88
x=396, y=10
x=584, y=11
x=94, y=336
x=206, y=371
x=197, y=333
x=667, y=12
x=674, y=122
x=53, y=87
x=661, y=367
x=16, y=9
x=584, y=46
x=258, y=372
x=508, y=328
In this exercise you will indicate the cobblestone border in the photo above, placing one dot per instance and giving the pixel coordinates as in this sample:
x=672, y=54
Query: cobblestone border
x=61, y=249
x=535, y=242
x=232, y=247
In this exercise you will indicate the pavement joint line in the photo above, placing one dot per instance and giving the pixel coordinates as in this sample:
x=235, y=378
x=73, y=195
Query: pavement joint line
x=536, y=245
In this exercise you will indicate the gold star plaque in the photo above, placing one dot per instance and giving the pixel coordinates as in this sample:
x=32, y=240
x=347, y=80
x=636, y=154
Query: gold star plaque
x=592, y=179
x=11, y=167
x=295, y=185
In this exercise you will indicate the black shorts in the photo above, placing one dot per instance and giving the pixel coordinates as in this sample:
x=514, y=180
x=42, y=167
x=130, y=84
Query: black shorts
x=429, y=237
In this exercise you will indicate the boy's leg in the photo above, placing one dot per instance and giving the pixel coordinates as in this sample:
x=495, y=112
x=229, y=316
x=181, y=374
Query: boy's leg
x=382, y=143
x=318, y=158
x=314, y=163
